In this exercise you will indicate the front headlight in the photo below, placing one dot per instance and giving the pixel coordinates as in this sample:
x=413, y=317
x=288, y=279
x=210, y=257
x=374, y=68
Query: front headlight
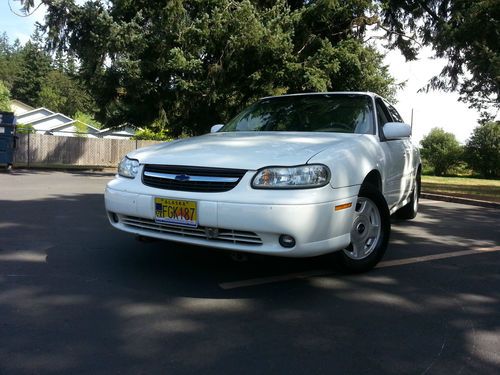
x=300, y=177
x=128, y=167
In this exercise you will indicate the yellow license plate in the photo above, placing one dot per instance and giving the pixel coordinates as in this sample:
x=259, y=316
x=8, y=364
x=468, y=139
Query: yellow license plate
x=175, y=211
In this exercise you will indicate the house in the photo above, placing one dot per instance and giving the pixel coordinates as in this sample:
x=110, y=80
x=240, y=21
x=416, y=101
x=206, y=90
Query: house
x=19, y=107
x=33, y=115
x=45, y=121
x=125, y=131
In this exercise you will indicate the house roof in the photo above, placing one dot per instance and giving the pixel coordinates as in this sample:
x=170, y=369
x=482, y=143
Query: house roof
x=38, y=110
x=117, y=128
x=73, y=122
x=66, y=119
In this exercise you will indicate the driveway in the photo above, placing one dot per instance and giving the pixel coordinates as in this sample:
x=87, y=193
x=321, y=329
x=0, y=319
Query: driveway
x=77, y=296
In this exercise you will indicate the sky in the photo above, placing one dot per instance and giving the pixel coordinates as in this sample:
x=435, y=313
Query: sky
x=432, y=109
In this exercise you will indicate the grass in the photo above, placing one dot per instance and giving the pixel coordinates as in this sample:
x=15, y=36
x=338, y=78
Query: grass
x=475, y=188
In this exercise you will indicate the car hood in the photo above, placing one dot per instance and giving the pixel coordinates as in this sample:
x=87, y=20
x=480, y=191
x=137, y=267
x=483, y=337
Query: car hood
x=242, y=150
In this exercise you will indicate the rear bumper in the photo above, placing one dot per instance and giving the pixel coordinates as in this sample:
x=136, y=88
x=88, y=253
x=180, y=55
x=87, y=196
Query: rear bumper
x=249, y=227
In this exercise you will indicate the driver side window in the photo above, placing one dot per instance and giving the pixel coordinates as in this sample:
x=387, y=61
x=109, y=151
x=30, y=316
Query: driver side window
x=382, y=115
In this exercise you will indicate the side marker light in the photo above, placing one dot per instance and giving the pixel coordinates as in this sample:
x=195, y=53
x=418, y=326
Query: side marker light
x=343, y=206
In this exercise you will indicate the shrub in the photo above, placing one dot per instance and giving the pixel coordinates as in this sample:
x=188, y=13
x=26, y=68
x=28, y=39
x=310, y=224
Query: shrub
x=441, y=150
x=150, y=135
x=482, y=150
x=25, y=129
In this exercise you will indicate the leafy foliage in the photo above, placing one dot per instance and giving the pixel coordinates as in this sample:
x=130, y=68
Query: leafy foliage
x=441, y=150
x=25, y=129
x=10, y=60
x=4, y=98
x=37, y=79
x=199, y=62
x=482, y=150
x=464, y=32
x=35, y=65
x=152, y=135
x=61, y=93
x=85, y=118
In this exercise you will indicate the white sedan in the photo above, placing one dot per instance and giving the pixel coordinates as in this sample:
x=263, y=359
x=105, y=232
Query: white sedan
x=293, y=175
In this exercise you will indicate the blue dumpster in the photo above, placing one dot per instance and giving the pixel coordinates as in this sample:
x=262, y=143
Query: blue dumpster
x=7, y=138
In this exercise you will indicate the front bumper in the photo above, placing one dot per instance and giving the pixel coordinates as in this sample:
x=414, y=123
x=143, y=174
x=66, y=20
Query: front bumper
x=249, y=227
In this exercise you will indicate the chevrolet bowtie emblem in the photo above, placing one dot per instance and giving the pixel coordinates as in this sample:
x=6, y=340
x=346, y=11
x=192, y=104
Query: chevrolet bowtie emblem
x=182, y=177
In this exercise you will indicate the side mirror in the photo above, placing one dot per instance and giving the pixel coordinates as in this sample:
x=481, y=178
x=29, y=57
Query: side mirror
x=396, y=130
x=216, y=128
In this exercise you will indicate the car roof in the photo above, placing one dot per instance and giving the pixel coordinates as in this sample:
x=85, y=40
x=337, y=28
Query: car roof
x=364, y=93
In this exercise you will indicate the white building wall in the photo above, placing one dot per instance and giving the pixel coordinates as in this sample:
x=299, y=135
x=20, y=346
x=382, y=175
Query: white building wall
x=70, y=131
x=19, y=108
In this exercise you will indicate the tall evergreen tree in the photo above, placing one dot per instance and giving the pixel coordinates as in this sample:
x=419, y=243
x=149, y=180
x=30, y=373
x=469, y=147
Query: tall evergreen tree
x=10, y=60
x=4, y=98
x=202, y=61
x=61, y=93
x=35, y=66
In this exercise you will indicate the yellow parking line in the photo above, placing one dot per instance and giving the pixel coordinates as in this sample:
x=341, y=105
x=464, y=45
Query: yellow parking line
x=389, y=263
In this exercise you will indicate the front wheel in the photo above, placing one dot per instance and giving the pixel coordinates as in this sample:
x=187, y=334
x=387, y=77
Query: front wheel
x=370, y=231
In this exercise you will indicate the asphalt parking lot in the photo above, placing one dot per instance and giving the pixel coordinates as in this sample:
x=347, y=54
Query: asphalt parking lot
x=77, y=296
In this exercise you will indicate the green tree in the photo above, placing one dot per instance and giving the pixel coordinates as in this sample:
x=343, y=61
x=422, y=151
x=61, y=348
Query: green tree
x=482, y=150
x=441, y=150
x=35, y=77
x=10, y=60
x=4, y=98
x=88, y=119
x=61, y=93
x=201, y=61
x=466, y=33
x=34, y=68
x=463, y=32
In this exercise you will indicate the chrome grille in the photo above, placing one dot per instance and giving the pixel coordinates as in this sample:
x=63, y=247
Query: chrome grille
x=196, y=179
x=222, y=235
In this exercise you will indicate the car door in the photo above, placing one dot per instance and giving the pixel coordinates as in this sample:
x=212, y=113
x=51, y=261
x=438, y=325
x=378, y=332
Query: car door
x=395, y=158
x=408, y=170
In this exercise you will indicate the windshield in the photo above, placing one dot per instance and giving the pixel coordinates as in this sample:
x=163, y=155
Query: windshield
x=339, y=113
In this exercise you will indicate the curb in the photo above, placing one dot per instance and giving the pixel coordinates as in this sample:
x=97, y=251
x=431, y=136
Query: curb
x=448, y=198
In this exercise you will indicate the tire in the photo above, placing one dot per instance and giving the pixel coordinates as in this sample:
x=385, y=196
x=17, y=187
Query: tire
x=410, y=210
x=370, y=231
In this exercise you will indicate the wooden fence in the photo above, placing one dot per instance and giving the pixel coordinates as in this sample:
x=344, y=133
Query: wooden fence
x=38, y=150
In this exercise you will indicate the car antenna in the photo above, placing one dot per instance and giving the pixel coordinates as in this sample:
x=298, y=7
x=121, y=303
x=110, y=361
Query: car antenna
x=411, y=122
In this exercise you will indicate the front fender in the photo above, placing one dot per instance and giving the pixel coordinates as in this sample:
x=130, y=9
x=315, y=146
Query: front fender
x=352, y=160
